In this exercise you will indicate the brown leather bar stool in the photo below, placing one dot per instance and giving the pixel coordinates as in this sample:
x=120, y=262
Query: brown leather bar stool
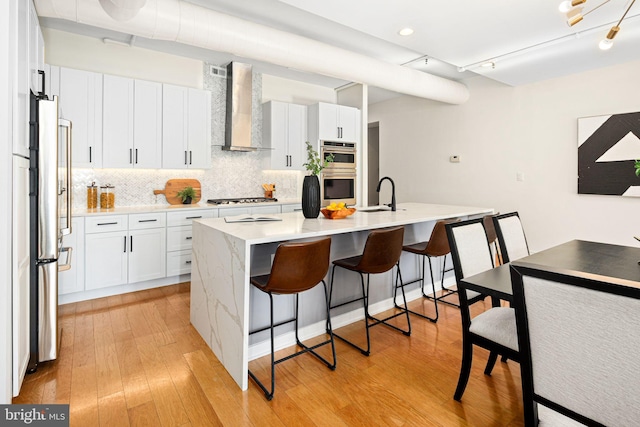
x=436, y=246
x=381, y=253
x=296, y=267
x=492, y=237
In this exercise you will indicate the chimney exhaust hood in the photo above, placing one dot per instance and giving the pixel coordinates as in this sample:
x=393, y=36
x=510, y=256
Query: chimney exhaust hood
x=237, y=130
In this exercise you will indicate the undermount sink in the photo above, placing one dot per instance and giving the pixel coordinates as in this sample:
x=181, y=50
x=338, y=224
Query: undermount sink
x=377, y=208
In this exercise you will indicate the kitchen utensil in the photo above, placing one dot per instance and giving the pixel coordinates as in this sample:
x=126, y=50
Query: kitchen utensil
x=172, y=187
x=268, y=190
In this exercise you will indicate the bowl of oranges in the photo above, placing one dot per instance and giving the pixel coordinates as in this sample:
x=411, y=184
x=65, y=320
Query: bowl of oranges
x=337, y=211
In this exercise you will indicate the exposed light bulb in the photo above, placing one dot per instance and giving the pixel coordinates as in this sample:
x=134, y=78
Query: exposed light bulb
x=605, y=44
x=565, y=6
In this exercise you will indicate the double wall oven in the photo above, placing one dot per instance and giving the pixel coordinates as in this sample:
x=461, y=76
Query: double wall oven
x=338, y=179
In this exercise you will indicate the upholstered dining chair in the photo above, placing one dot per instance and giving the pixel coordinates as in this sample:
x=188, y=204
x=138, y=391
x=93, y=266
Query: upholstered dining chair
x=493, y=329
x=511, y=237
x=579, y=347
x=297, y=267
x=492, y=238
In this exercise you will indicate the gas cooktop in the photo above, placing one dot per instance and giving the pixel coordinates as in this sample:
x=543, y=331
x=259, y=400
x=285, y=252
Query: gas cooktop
x=241, y=200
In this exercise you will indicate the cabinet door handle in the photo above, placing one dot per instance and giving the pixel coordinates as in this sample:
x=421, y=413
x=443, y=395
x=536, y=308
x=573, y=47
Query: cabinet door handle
x=188, y=262
x=130, y=243
x=125, y=245
x=190, y=157
x=136, y=156
x=42, y=81
x=107, y=223
x=188, y=238
x=89, y=154
x=185, y=157
x=194, y=217
x=147, y=220
x=130, y=155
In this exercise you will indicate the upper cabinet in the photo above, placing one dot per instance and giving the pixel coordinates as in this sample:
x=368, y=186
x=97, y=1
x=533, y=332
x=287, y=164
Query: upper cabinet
x=81, y=103
x=331, y=122
x=284, y=130
x=132, y=123
x=186, y=128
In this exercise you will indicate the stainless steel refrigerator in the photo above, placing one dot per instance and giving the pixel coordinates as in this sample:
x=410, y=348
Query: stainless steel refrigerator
x=50, y=219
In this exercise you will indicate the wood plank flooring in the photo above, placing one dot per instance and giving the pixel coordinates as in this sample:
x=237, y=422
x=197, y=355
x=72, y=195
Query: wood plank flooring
x=135, y=360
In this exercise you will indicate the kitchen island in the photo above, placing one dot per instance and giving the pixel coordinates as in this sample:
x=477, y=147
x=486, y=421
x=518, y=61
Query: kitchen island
x=225, y=255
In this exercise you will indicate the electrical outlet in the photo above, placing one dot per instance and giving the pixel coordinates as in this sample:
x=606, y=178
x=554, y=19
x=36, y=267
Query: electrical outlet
x=454, y=159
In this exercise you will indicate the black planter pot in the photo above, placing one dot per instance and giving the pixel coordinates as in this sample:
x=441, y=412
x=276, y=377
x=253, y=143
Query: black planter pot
x=187, y=201
x=311, y=196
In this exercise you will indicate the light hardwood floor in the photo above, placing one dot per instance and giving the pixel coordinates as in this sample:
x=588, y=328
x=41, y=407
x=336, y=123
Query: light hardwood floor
x=135, y=360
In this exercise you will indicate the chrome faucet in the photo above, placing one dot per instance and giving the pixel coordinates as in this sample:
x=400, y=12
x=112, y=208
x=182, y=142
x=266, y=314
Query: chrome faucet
x=393, y=192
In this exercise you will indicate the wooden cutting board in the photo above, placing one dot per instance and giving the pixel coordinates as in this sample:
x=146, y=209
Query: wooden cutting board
x=172, y=187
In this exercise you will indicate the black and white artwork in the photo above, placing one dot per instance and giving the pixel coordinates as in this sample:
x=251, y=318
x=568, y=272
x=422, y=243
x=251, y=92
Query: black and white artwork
x=607, y=149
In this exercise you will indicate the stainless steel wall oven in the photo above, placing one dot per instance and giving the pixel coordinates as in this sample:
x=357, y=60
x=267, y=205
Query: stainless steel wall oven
x=338, y=179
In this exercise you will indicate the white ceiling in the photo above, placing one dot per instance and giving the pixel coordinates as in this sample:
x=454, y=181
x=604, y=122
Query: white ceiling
x=528, y=40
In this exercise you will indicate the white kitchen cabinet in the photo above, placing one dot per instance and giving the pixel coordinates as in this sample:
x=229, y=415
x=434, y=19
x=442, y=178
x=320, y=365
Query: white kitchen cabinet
x=179, y=239
x=81, y=102
x=147, y=129
x=117, y=122
x=20, y=270
x=284, y=130
x=294, y=207
x=72, y=280
x=123, y=249
x=132, y=123
x=331, y=122
x=20, y=21
x=36, y=52
x=186, y=128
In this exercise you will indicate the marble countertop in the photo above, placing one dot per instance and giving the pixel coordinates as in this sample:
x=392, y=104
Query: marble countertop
x=296, y=226
x=172, y=208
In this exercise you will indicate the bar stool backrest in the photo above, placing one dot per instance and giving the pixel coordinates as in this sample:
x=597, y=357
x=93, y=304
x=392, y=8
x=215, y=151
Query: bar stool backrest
x=299, y=266
x=438, y=244
x=382, y=250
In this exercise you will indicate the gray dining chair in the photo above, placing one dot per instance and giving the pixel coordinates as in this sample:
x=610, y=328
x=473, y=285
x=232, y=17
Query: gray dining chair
x=579, y=347
x=511, y=237
x=493, y=329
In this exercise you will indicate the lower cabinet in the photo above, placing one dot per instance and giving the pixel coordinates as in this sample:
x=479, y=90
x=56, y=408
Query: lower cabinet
x=179, y=239
x=124, y=249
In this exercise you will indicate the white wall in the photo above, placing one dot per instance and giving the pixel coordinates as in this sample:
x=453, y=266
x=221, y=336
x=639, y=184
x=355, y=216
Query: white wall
x=285, y=90
x=501, y=131
x=91, y=54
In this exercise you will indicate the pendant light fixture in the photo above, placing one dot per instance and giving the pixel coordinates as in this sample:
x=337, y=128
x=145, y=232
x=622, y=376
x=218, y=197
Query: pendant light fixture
x=575, y=15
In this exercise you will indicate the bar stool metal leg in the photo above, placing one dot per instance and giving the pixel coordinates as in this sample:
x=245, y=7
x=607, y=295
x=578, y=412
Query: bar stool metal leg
x=421, y=280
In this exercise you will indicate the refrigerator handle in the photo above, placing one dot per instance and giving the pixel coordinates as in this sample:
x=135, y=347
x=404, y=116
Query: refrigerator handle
x=67, y=124
x=67, y=265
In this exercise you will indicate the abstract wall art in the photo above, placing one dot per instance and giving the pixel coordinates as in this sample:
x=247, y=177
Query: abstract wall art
x=607, y=149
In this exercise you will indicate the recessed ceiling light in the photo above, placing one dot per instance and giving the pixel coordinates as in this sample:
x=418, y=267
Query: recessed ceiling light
x=406, y=31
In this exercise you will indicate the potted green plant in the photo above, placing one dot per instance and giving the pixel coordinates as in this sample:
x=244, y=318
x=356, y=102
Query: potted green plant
x=187, y=194
x=637, y=166
x=311, y=183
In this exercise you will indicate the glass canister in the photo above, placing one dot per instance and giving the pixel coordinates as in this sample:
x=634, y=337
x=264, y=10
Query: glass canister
x=107, y=197
x=92, y=196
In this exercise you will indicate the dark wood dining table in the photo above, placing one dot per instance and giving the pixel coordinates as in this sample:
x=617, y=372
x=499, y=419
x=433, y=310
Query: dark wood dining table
x=577, y=257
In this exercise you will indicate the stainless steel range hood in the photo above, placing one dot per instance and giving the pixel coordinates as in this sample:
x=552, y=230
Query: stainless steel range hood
x=238, y=120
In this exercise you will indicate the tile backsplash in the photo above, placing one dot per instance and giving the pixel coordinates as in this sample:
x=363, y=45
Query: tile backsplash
x=232, y=174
